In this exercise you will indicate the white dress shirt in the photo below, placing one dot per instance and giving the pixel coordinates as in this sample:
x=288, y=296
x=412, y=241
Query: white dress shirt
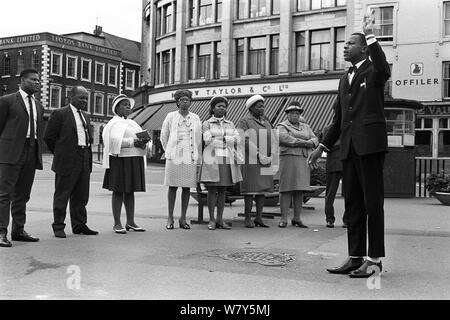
x=352, y=75
x=80, y=128
x=27, y=105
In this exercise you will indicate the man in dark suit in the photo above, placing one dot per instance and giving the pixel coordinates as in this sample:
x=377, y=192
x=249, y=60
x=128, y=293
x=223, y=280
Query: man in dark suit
x=334, y=176
x=69, y=138
x=360, y=123
x=20, y=155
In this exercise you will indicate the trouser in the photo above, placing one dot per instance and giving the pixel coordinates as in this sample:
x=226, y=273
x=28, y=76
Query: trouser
x=364, y=203
x=16, y=182
x=74, y=187
x=333, y=179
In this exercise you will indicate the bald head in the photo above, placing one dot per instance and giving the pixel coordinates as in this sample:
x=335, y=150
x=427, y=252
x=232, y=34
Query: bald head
x=79, y=97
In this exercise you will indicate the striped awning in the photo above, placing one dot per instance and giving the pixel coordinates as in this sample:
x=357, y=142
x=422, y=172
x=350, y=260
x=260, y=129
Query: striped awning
x=318, y=110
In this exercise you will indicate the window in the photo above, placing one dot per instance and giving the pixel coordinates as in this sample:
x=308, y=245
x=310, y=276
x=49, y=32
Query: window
x=67, y=98
x=205, y=16
x=158, y=69
x=258, y=8
x=242, y=9
x=320, y=50
x=71, y=67
x=110, y=104
x=35, y=60
x=6, y=65
x=239, y=57
x=99, y=103
x=165, y=67
x=217, y=60
x=99, y=73
x=424, y=137
x=130, y=79
x=384, y=23
x=446, y=19
x=446, y=80
x=191, y=71
x=192, y=17
x=275, y=7
x=300, y=52
x=219, y=11
x=56, y=64
x=86, y=69
x=444, y=143
x=257, y=56
x=55, y=97
x=388, y=86
x=20, y=62
x=168, y=11
x=340, y=44
x=302, y=5
x=341, y=2
x=112, y=75
x=204, y=61
x=274, y=52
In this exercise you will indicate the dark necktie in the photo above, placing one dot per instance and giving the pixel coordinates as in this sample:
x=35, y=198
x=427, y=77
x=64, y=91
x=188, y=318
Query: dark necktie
x=86, y=131
x=352, y=69
x=32, y=128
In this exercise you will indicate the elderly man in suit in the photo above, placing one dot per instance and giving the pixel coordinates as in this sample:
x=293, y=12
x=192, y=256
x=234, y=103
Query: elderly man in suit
x=360, y=123
x=69, y=138
x=20, y=155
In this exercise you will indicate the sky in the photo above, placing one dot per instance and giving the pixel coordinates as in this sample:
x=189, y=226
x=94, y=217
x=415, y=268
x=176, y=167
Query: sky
x=119, y=17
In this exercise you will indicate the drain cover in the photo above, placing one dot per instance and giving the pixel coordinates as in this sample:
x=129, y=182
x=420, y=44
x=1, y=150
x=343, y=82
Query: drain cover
x=263, y=258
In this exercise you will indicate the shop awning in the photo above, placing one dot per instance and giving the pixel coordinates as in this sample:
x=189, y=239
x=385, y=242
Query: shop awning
x=318, y=110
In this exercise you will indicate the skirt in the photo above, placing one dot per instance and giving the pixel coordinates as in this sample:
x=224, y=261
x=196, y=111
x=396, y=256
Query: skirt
x=295, y=174
x=125, y=175
x=226, y=178
x=180, y=175
x=254, y=182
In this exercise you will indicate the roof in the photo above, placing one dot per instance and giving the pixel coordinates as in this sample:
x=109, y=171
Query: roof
x=131, y=50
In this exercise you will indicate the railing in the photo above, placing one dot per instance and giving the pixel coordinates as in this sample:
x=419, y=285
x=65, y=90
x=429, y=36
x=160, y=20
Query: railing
x=426, y=167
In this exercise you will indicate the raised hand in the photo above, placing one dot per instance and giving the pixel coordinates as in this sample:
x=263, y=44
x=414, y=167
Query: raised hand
x=369, y=22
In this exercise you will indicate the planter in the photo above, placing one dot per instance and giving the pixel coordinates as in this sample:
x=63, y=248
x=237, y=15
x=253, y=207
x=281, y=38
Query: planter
x=443, y=197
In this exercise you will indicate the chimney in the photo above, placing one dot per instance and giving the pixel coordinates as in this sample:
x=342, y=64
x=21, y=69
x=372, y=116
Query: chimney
x=98, y=31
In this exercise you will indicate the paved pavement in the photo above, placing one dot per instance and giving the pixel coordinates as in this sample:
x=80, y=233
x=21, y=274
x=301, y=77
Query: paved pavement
x=241, y=264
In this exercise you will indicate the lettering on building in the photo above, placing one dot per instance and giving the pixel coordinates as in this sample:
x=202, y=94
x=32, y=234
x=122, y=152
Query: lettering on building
x=417, y=82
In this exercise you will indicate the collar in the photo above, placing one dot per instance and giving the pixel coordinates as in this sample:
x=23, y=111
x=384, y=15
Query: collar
x=74, y=109
x=25, y=95
x=214, y=119
x=359, y=64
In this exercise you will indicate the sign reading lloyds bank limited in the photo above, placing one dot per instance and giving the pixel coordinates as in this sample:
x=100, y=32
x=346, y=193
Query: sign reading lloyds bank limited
x=269, y=89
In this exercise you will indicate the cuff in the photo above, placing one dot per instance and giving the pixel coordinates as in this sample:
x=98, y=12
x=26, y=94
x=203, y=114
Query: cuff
x=323, y=146
x=371, y=39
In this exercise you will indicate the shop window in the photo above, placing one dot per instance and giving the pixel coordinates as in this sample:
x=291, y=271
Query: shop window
x=444, y=143
x=424, y=143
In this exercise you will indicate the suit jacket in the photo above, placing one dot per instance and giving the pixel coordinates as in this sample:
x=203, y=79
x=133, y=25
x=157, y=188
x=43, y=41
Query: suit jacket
x=14, y=122
x=359, y=109
x=61, y=138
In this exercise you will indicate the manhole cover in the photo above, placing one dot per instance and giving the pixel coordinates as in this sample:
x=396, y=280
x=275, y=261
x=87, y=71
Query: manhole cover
x=263, y=258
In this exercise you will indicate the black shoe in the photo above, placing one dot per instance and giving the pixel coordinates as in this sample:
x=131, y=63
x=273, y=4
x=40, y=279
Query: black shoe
x=282, y=224
x=350, y=265
x=135, y=229
x=222, y=226
x=4, y=242
x=184, y=226
x=60, y=234
x=85, y=231
x=261, y=224
x=23, y=237
x=367, y=270
x=299, y=224
x=330, y=225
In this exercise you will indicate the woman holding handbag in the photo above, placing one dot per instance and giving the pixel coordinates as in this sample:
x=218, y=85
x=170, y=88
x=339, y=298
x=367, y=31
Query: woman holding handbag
x=297, y=141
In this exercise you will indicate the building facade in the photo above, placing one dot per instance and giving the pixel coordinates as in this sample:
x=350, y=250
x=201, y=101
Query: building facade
x=65, y=62
x=293, y=49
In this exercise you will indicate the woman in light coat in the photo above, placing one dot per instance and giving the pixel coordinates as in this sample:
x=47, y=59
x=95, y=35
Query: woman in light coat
x=297, y=141
x=181, y=138
x=220, y=167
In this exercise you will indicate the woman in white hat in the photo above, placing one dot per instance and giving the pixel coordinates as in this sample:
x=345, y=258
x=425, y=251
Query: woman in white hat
x=124, y=161
x=257, y=170
x=297, y=141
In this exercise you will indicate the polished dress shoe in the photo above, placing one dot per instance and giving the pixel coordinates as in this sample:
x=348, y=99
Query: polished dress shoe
x=261, y=224
x=119, y=230
x=299, y=224
x=60, y=234
x=350, y=265
x=135, y=229
x=23, y=237
x=85, y=231
x=367, y=270
x=330, y=225
x=4, y=242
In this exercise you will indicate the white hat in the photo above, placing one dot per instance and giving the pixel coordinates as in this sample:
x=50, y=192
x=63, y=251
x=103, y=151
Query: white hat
x=256, y=98
x=119, y=98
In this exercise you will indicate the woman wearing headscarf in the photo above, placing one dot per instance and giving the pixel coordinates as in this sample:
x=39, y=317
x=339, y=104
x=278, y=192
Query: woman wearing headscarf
x=181, y=138
x=124, y=161
x=257, y=169
x=297, y=141
x=220, y=168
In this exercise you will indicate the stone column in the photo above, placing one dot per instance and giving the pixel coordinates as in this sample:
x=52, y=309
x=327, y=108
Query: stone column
x=227, y=60
x=285, y=52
